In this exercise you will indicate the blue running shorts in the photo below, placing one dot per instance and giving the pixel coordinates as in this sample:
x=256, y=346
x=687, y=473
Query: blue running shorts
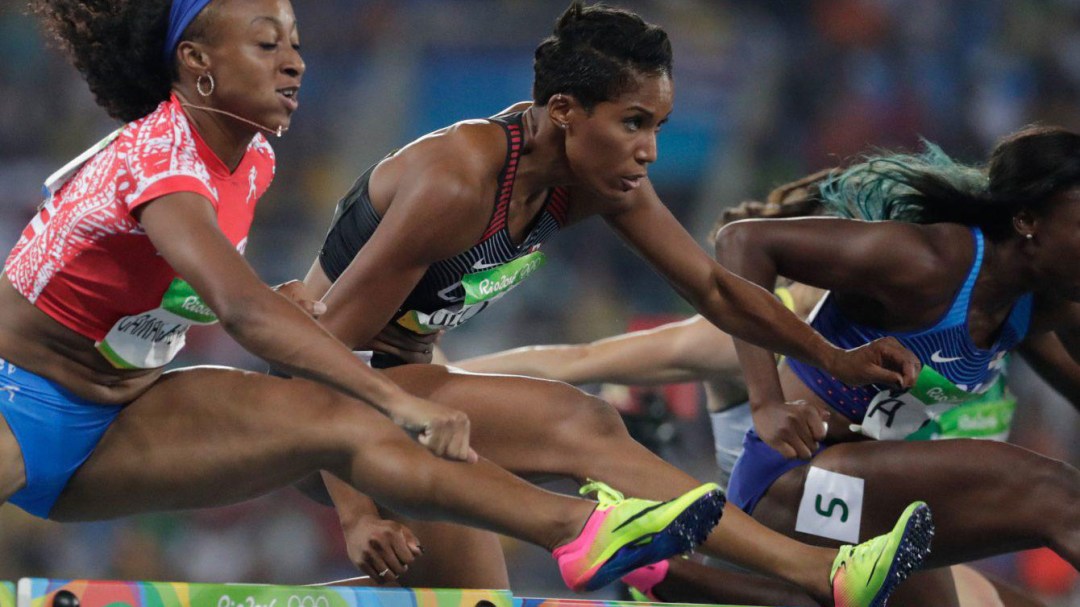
x=56, y=431
x=756, y=470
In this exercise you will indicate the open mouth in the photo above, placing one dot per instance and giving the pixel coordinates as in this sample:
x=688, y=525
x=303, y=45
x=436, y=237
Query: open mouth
x=290, y=97
x=632, y=182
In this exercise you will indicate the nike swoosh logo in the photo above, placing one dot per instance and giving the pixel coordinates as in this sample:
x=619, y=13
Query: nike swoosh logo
x=480, y=265
x=874, y=568
x=936, y=357
x=638, y=515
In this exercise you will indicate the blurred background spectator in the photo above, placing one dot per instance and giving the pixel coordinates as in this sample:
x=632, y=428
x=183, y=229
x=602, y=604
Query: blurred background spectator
x=767, y=90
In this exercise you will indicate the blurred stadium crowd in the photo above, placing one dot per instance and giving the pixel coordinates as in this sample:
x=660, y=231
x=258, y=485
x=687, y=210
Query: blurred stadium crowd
x=766, y=90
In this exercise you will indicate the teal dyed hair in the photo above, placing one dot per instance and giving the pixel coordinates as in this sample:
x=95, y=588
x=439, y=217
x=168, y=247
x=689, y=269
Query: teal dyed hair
x=1026, y=170
x=899, y=186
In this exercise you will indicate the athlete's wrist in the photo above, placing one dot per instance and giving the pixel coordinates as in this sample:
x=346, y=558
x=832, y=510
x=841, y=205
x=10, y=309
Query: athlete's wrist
x=390, y=398
x=826, y=356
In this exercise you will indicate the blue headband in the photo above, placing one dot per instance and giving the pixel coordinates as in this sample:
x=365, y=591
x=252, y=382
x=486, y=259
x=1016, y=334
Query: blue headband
x=182, y=13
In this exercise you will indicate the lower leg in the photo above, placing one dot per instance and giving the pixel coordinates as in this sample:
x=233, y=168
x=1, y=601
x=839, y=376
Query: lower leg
x=456, y=557
x=690, y=582
x=931, y=587
x=479, y=495
x=973, y=589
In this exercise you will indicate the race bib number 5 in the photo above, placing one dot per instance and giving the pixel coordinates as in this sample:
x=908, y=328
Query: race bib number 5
x=831, y=505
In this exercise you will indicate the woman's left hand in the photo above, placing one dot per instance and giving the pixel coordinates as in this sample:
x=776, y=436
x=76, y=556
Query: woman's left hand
x=883, y=361
x=404, y=344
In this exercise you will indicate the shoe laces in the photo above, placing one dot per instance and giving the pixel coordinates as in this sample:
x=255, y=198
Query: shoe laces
x=870, y=549
x=604, y=493
x=859, y=553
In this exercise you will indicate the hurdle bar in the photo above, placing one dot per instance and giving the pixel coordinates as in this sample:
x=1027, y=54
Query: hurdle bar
x=39, y=592
x=537, y=602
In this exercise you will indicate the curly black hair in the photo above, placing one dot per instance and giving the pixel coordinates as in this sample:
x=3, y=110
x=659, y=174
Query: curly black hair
x=596, y=52
x=117, y=46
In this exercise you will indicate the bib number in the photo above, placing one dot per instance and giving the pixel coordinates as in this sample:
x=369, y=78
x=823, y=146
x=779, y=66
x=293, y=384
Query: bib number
x=936, y=408
x=152, y=339
x=481, y=288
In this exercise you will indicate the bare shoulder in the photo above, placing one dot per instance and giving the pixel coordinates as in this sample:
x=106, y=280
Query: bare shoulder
x=925, y=248
x=456, y=165
x=934, y=255
x=443, y=182
x=473, y=150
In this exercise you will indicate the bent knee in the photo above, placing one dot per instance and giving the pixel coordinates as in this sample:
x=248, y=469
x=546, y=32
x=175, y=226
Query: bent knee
x=588, y=418
x=1056, y=483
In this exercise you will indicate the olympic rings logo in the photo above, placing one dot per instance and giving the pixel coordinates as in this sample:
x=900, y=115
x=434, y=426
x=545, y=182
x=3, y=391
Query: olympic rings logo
x=308, y=601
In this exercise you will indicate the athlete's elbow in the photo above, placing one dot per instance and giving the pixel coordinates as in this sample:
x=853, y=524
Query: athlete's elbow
x=732, y=240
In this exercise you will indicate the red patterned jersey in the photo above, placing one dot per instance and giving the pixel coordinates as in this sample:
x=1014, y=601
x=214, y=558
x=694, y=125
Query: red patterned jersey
x=86, y=262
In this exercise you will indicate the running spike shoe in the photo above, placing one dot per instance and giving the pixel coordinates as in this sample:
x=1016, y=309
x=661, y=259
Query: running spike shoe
x=865, y=575
x=623, y=534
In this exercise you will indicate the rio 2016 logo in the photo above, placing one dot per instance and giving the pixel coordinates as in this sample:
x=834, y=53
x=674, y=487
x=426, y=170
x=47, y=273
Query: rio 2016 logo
x=294, y=600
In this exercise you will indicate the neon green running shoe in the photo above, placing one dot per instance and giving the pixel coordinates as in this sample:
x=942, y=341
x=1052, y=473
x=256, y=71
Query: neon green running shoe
x=866, y=575
x=623, y=534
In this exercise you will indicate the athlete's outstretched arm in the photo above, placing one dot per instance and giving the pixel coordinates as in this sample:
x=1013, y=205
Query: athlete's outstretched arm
x=858, y=258
x=741, y=308
x=183, y=227
x=688, y=350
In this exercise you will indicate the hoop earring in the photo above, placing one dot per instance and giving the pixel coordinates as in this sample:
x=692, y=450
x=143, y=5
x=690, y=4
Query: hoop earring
x=199, y=84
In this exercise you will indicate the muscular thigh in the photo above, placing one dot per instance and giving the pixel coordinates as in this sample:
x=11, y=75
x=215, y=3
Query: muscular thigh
x=516, y=421
x=970, y=485
x=212, y=436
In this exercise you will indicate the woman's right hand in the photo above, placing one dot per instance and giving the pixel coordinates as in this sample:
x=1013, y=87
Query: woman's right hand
x=383, y=549
x=793, y=428
x=443, y=430
x=884, y=361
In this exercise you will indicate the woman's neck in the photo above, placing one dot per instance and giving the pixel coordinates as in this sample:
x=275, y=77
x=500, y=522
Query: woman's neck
x=228, y=137
x=543, y=161
x=1011, y=272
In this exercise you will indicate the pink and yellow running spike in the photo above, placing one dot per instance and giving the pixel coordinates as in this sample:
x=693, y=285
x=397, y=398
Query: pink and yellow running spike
x=624, y=534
